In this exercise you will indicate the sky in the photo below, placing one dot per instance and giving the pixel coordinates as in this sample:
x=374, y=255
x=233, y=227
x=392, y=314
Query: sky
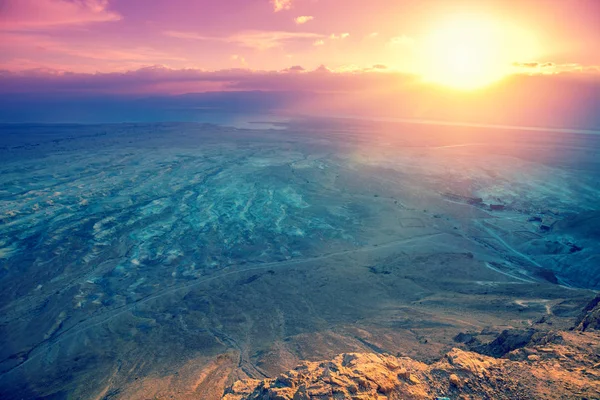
x=355, y=51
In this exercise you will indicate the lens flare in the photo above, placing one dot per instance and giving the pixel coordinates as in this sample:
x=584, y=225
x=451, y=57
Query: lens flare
x=470, y=51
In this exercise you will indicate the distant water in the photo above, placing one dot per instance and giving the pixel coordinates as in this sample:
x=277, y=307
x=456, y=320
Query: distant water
x=468, y=124
x=243, y=121
x=237, y=120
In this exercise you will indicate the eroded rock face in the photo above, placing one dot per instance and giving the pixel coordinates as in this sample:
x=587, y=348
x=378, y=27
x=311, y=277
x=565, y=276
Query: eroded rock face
x=590, y=317
x=506, y=342
x=565, y=365
x=351, y=375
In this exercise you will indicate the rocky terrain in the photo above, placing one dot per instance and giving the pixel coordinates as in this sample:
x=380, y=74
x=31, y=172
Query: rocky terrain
x=529, y=365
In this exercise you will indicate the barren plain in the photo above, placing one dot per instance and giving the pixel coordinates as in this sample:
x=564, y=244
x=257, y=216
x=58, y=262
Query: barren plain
x=170, y=260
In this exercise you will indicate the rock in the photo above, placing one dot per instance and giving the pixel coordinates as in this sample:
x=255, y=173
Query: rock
x=244, y=387
x=466, y=338
x=590, y=316
x=455, y=381
x=286, y=380
x=301, y=394
x=404, y=374
x=506, y=342
x=365, y=376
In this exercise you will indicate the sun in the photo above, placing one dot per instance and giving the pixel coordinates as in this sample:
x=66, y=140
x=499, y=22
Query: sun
x=467, y=52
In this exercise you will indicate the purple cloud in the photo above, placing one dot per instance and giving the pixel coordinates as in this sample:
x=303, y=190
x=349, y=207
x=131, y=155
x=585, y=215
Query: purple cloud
x=35, y=14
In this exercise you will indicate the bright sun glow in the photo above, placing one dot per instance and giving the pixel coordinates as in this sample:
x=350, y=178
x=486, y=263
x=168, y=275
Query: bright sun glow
x=468, y=52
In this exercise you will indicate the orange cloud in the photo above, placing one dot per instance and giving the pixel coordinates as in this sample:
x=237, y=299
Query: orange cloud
x=239, y=59
x=340, y=36
x=263, y=40
x=547, y=68
x=280, y=5
x=303, y=19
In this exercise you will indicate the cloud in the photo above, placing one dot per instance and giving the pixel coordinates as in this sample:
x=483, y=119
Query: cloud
x=303, y=19
x=98, y=55
x=159, y=79
x=261, y=40
x=322, y=69
x=280, y=5
x=549, y=68
x=239, y=59
x=345, y=78
x=356, y=69
x=189, y=35
x=333, y=36
x=295, y=68
x=593, y=69
x=350, y=68
x=372, y=35
x=534, y=64
x=38, y=14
